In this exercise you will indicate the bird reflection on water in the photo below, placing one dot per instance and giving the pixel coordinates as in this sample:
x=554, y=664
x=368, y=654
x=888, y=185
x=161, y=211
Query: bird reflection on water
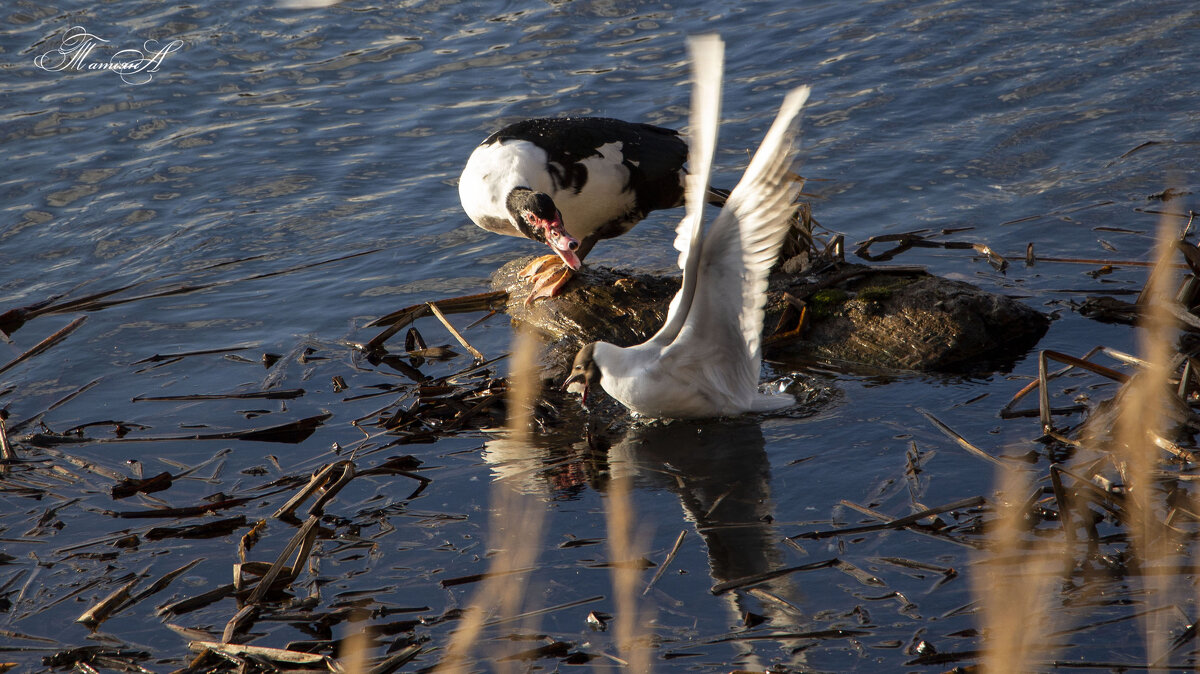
x=721, y=474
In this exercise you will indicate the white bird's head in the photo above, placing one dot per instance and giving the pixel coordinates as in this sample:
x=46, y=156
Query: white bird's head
x=584, y=372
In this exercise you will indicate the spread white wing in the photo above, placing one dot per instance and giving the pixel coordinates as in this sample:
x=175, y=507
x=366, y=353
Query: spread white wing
x=708, y=58
x=725, y=313
x=705, y=359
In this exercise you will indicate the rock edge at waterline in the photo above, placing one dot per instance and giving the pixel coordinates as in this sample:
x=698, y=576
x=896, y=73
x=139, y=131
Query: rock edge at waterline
x=892, y=317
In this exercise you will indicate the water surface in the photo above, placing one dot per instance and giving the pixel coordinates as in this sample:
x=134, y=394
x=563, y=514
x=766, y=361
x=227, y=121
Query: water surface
x=280, y=137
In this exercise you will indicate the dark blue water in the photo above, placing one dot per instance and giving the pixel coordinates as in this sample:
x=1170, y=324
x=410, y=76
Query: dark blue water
x=277, y=137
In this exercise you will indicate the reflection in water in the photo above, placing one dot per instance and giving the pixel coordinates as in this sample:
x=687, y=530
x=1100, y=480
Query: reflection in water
x=720, y=471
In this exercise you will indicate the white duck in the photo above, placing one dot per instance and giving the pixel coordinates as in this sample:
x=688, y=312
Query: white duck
x=705, y=360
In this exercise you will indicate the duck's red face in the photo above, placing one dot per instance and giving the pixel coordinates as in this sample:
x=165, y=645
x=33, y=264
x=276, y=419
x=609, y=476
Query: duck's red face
x=537, y=218
x=553, y=234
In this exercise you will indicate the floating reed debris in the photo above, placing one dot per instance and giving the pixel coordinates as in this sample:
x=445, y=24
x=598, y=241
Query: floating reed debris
x=662, y=568
x=186, y=511
x=921, y=239
x=121, y=598
x=962, y=442
x=737, y=583
x=543, y=611
x=6, y=451
x=213, y=529
x=292, y=432
x=326, y=549
x=466, y=396
x=44, y=345
x=129, y=486
x=433, y=307
x=107, y=606
x=898, y=523
x=330, y=478
x=13, y=319
x=398, y=320
x=284, y=394
x=242, y=656
x=20, y=425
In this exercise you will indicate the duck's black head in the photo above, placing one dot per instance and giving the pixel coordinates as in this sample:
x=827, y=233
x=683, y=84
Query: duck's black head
x=585, y=371
x=535, y=214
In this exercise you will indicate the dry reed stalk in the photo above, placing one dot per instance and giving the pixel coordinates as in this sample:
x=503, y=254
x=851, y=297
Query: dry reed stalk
x=1016, y=607
x=1016, y=601
x=515, y=523
x=453, y=331
x=45, y=344
x=6, y=451
x=352, y=654
x=624, y=550
x=1141, y=418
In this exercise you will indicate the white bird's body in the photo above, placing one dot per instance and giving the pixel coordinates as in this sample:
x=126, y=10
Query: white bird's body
x=692, y=378
x=705, y=360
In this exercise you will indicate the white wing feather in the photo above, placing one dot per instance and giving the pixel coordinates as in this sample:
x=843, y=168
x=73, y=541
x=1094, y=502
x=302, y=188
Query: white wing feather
x=705, y=359
x=708, y=58
x=736, y=256
x=708, y=63
x=764, y=210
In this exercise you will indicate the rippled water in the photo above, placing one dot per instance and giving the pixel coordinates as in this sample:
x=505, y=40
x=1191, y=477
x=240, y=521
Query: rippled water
x=280, y=137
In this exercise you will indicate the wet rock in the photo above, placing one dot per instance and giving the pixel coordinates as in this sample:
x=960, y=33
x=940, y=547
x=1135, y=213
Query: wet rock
x=913, y=321
x=598, y=303
x=895, y=318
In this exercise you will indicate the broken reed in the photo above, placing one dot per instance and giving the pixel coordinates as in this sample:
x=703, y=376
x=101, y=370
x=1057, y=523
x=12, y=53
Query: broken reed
x=515, y=525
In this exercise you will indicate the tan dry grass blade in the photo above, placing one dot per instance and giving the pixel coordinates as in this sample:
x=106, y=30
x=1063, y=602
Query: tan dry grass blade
x=352, y=655
x=1143, y=417
x=58, y=336
x=433, y=307
x=279, y=655
x=6, y=451
x=101, y=611
x=515, y=525
x=666, y=563
x=625, y=545
x=1016, y=601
